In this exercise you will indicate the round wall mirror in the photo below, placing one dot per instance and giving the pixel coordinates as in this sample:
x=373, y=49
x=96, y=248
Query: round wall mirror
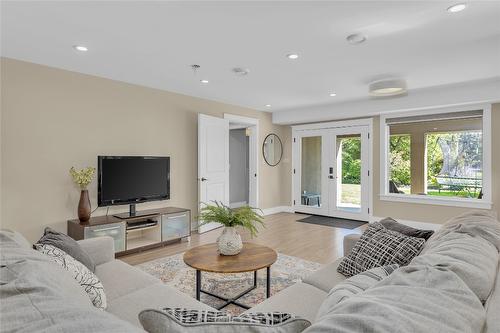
x=272, y=149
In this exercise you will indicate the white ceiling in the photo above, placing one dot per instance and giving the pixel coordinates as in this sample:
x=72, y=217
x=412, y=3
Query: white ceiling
x=154, y=43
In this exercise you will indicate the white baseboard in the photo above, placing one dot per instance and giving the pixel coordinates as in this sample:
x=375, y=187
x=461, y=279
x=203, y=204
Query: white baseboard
x=414, y=224
x=238, y=204
x=275, y=210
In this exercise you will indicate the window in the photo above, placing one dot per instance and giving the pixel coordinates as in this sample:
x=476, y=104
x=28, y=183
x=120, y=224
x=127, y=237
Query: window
x=437, y=157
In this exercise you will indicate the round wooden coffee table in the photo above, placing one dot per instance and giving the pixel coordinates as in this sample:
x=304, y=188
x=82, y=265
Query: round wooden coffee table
x=251, y=258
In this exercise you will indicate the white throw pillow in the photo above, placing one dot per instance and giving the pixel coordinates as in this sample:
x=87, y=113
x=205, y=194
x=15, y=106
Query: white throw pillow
x=180, y=320
x=88, y=280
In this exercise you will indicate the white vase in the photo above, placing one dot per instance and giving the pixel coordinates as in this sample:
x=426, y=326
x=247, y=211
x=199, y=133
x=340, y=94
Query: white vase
x=229, y=242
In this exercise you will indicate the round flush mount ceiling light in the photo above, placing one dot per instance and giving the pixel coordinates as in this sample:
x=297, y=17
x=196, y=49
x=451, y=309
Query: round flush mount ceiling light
x=268, y=105
x=457, y=8
x=387, y=87
x=240, y=71
x=292, y=56
x=333, y=94
x=80, y=48
x=355, y=39
x=204, y=81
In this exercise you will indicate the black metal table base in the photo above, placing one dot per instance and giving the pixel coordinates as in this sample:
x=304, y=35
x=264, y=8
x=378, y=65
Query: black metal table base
x=234, y=300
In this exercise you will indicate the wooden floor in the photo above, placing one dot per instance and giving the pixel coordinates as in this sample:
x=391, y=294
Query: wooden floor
x=312, y=242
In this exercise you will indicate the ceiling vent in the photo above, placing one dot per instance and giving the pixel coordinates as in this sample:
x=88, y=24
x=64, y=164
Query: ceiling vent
x=240, y=71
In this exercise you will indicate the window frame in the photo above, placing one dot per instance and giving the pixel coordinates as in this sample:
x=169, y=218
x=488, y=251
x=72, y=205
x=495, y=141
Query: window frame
x=484, y=203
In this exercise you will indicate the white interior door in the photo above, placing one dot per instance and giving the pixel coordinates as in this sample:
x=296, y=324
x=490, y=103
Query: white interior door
x=213, y=163
x=331, y=175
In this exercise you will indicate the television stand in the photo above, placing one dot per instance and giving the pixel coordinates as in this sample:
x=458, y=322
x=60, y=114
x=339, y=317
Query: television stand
x=146, y=230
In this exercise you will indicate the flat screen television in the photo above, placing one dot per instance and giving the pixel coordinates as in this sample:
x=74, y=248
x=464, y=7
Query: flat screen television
x=131, y=180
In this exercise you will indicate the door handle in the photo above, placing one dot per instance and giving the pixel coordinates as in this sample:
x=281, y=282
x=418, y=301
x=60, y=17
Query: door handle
x=331, y=177
x=203, y=179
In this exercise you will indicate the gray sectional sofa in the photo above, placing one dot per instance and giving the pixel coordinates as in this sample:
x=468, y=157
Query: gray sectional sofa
x=36, y=294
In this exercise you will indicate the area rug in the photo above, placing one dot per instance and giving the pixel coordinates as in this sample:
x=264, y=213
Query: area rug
x=334, y=222
x=286, y=271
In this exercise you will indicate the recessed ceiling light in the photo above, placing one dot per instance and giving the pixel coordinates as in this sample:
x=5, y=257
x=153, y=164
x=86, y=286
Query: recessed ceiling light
x=387, y=87
x=457, y=8
x=80, y=48
x=333, y=94
x=268, y=105
x=292, y=56
x=356, y=39
x=204, y=81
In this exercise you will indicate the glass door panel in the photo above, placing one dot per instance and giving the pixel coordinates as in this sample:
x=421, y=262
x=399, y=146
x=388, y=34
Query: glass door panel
x=348, y=156
x=311, y=175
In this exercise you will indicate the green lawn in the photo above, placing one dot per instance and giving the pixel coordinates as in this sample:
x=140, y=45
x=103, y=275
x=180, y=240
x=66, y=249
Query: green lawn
x=351, y=193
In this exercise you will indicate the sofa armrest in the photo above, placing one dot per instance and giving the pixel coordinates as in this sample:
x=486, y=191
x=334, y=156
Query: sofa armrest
x=100, y=249
x=349, y=241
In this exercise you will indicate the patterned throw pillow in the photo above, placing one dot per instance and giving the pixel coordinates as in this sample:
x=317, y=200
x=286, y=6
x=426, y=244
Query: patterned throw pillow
x=88, y=280
x=354, y=285
x=377, y=247
x=179, y=320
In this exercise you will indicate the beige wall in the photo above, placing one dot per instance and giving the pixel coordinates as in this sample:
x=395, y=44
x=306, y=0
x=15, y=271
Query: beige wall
x=54, y=119
x=432, y=213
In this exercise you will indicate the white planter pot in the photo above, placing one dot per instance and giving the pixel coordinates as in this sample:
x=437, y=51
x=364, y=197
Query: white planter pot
x=229, y=242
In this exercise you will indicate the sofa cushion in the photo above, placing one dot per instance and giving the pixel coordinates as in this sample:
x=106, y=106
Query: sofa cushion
x=16, y=238
x=87, y=280
x=119, y=278
x=155, y=296
x=394, y=225
x=180, y=320
x=38, y=295
x=493, y=308
x=301, y=299
x=354, y=285
x=377, y=247
x=412, y=299
x=326, y=277
x=68, y=245
x=468, y=245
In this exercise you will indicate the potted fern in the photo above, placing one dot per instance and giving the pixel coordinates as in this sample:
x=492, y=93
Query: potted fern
x=229, y=242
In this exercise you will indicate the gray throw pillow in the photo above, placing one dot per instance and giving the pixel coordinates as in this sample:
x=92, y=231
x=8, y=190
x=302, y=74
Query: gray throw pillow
x=377, y=247
x=394, y=225
x=354, y=285
x=68, y=245
x=179, y=320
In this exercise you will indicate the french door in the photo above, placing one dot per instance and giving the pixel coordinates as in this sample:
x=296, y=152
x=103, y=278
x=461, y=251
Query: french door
x=331, y=175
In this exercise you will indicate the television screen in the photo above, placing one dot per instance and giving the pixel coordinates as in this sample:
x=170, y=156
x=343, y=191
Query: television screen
x=131, y=179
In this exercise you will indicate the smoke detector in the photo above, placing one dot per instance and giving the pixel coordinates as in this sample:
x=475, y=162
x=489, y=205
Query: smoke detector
x=355, y=39
x=239, y=71
x=387, y=87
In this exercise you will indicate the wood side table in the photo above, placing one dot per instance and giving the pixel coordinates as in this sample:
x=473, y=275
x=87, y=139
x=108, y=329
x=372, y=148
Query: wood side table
x=251, y=258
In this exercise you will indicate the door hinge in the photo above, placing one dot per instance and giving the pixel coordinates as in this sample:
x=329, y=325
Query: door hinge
x=294, y=202
x=293, y=139
x=368, y=173
x=368, y=135
x=368, y=210
x=293, y=171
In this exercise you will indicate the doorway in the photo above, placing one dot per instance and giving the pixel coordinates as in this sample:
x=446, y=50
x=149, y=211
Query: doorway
x=331, y=169
x=214, y=162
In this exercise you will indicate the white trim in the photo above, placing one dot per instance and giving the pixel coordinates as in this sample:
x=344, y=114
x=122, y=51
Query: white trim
x=276, y=210
x=484, y=203
x=438, y=201
x=334, y=124
x=254, y=150
x=237, y=204
x=413, y=224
